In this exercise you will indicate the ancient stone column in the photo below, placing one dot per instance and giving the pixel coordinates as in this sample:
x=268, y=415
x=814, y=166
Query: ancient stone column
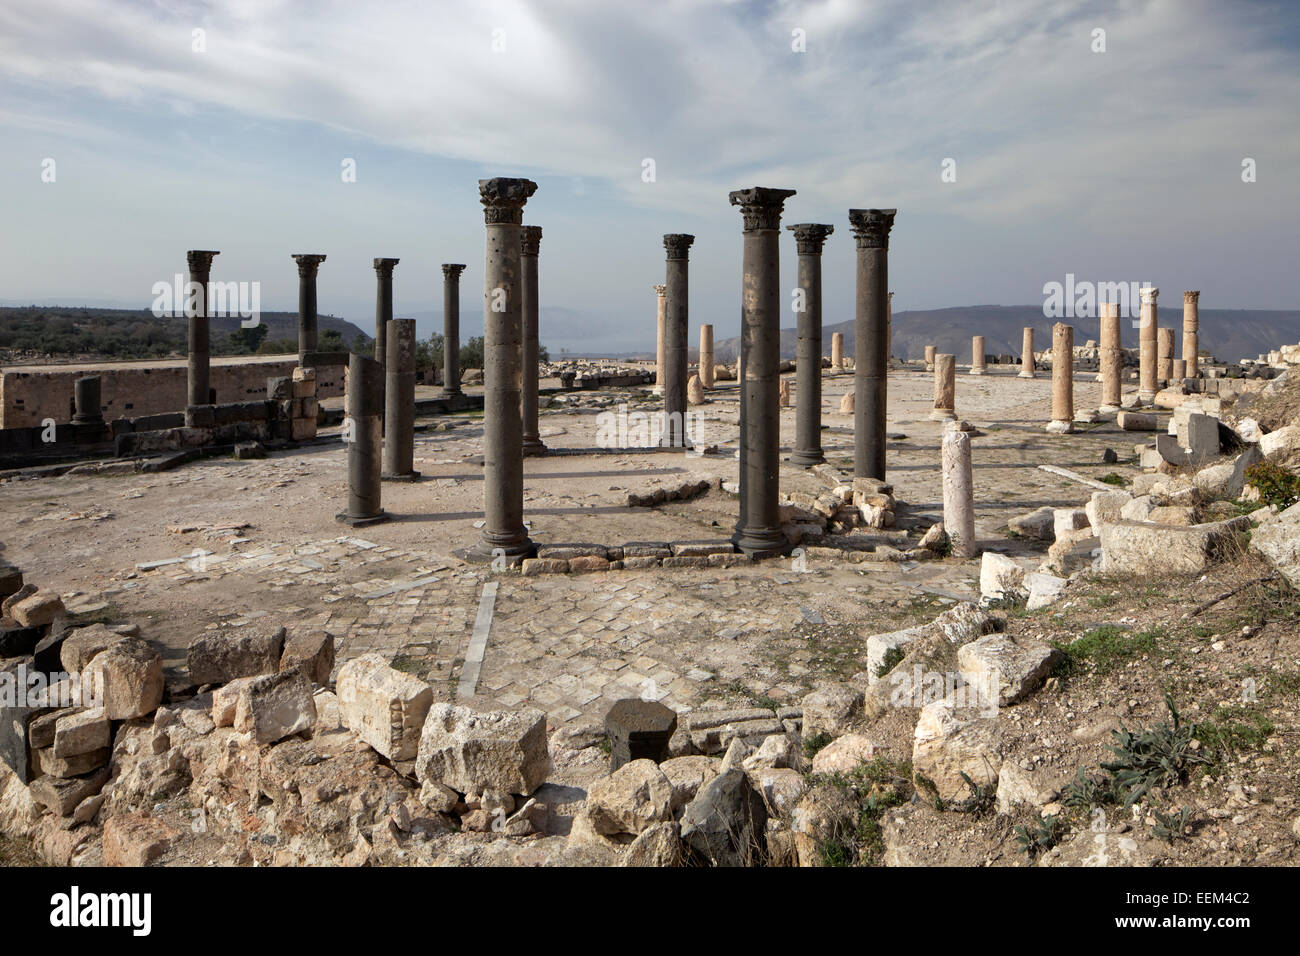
x=504, y=535
x=837, y=351
x=930, y=352
x=1027, y=354
x=958, y=492
x=1164, y=355
x=870, y=368
x=198, y=390
x=364, y=408
x=399, y=402
x=307, y=268
x=1112, y=358
x=889, y=324
x=759, y=530
x=451, y=327
x=706, y=356
x=1180, y=371
x=1147, y=371
x=676, y=329
x=1191, y=333
x=809, y=239
x=383, y=306
x=87, y=404
x=531, y=239
x=945, y=387
x=977, y=362
x=662, y=318
x=1062, y=422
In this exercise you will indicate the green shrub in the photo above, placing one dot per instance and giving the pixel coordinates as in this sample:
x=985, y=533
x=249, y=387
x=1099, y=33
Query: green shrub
x=1276, y=485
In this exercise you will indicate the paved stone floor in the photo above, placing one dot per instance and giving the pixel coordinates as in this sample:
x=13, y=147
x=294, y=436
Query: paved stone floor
x=130, y=546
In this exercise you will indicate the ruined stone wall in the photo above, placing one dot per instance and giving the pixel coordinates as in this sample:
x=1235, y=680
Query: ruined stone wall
x=31, y=393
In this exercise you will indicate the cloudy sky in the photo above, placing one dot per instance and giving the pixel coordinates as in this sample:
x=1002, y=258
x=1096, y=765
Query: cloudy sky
x=1120, y=165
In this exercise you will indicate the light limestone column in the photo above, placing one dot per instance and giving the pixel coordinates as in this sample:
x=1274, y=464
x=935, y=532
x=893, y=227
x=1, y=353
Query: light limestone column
x=1147, y=325
x=503, y=536
x=930, y=352
x=1062, y=422
x=1027, y=353
x=977, y=365
x=945, y=387
x=706, y=356
x=662, y=309
x=1180, y=371
x=1164, y=356
x=1191, y=333
x=837, y=351
x=958, y=492
x=1112, y=358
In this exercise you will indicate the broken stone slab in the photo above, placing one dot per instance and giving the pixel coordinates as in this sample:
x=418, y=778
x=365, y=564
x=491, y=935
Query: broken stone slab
x=564, y=552
x=880, y=646
x=80, y=732
x=1071, y=552
x=136, y=839
x=947, y=745
x=38, y=610
x=1137, y=421
x=75, y=766
x=631, y=799
x=1018, y=787
x=726, y=822
x=844, y=754
x=225, y=700
x=383, y=706
x=223, y=656
x=1227, y=480
x=1177, y=515
x=472, y=752
x=659, y=844
x=62, y=795
x=83, y=643
x=1281, y=443
x=639, y=730
x=687, y=774
x=1108, y=849
x=1000, y=576
x=274, y=706
x=1139, y=508
x=128, y=676
x=1277, y=540
x=701, y=549
x=1105, y=507
x=1037, y=524
x=1130, y=547
x=1005, y=669
x=1066, y=521
x=831, y=709
x=312, y=653
x=1044, y=589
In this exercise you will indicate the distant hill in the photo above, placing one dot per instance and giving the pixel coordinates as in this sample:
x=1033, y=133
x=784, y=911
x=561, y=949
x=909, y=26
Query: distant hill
x=1229, y=334
x=81, y=333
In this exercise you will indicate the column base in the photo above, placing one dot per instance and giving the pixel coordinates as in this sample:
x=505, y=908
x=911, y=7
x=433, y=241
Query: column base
x=977, y=371
x=1024, y=374
x=762, y=542
x=362, y=521
x=1108, y=409
x=534, y=447
x=409, y=476
x=1060, y=428
x=943, y=414
x=807, y=457
x=79, y=420
x=1145, y=398
x=451, y=393
x=486, y=552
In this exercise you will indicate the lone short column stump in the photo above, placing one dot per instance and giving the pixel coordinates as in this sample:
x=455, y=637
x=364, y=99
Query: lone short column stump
x=365, y=405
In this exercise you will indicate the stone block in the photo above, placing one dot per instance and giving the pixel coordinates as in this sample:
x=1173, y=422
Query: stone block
x=471, y=751
x=82, y=645
x=222, y=656
x=38, y=610
x=311, y=652
x=274, y=706
x=383, y=706
x=129, y=676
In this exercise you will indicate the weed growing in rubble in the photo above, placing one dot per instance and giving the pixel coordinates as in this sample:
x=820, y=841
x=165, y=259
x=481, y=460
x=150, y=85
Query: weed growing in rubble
x=1119, y=481
x=1276, y=485
x=893, y=657
x=1233, y=731
x=1170, y=826
x=1105, y=646
x=814, y=744
x=875, y=786
x=1087, y=790
x=1040, y=836
x=1158, y=756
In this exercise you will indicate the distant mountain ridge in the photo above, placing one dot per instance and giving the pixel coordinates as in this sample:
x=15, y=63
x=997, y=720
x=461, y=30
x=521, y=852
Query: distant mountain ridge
x=1228, y=334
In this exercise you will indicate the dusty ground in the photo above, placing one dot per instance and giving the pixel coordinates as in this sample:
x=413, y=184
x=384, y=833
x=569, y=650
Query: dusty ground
x=569, y=644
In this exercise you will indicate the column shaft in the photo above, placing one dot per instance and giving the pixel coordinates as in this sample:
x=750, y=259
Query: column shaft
x=531, y=238
x=977, y=362
x=1112, y=358
x=945, y=387
x=1147, y=358
x=399, y=402
x=706, y=356
x=364, y=406
x=809, y=239
x=308, y=265
x=1062, y=379
x=676, y=328
x=661, y=319
x=1191, y=333
x=198, y=387
x=1027, y=353
x=451, y=327
x=958, y=492
x=870, y=367
x=759, y=532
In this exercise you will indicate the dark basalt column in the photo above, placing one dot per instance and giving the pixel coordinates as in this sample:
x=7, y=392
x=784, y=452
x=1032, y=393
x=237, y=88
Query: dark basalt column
x=871, y=357
x=809, y=239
